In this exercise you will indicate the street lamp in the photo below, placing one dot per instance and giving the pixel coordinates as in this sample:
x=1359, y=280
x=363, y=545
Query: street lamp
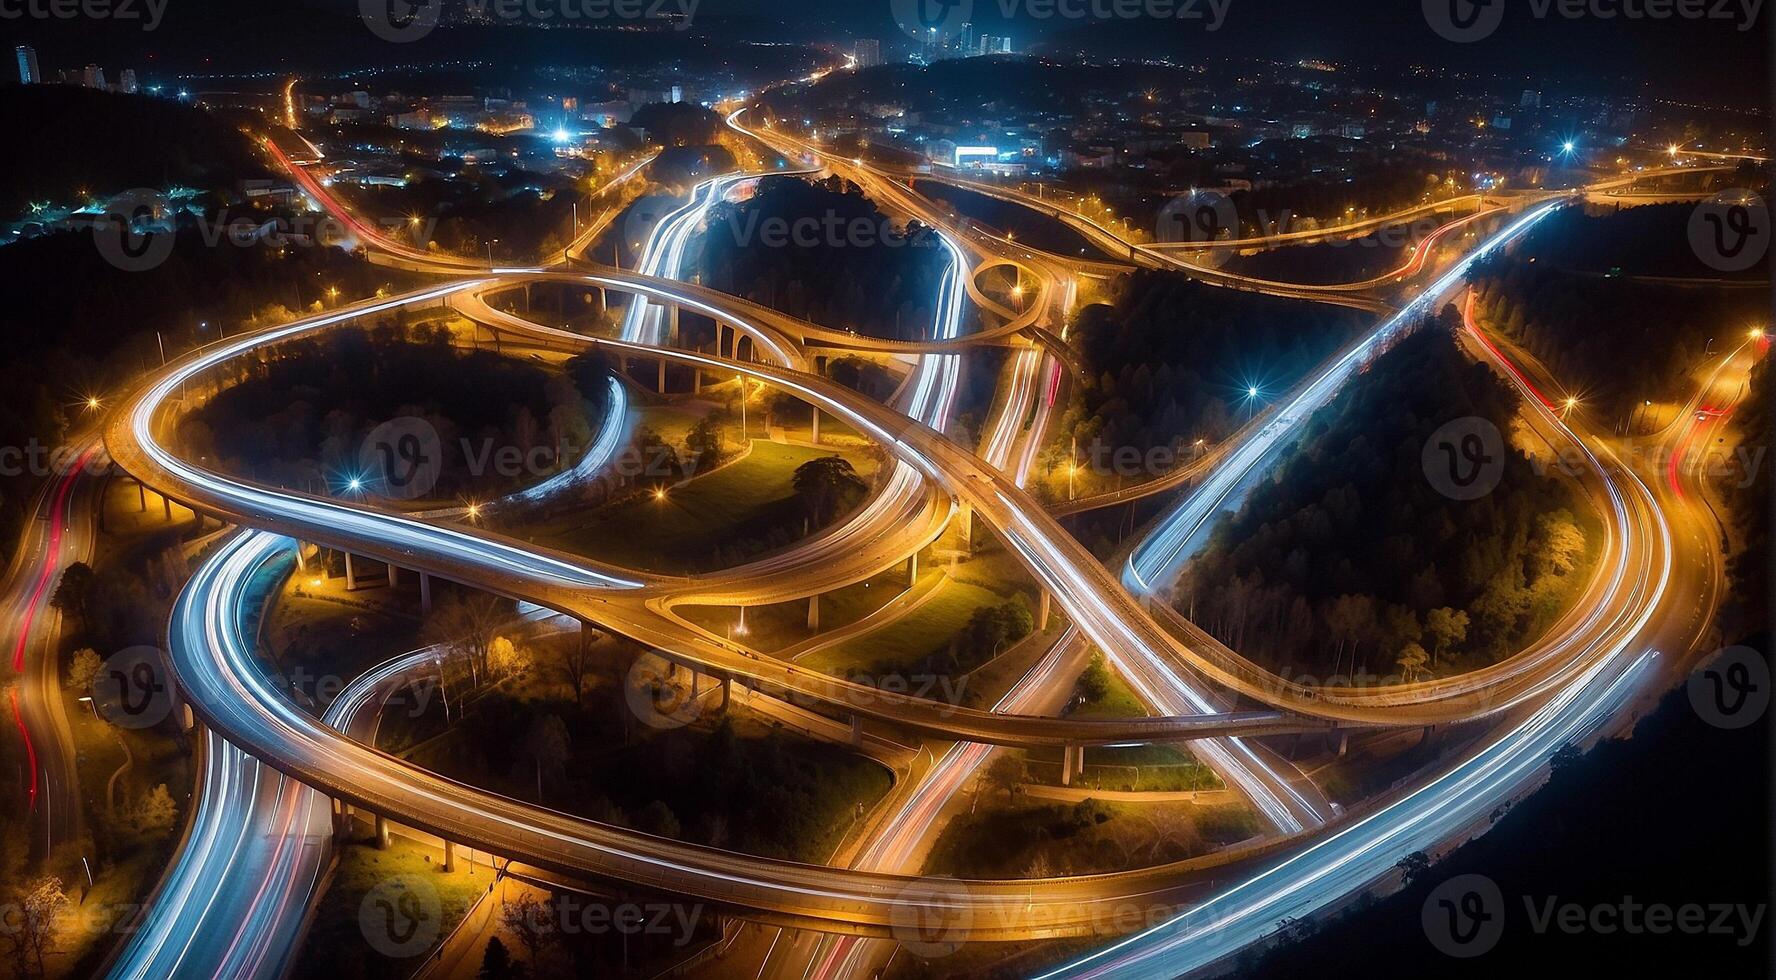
x=742, y=382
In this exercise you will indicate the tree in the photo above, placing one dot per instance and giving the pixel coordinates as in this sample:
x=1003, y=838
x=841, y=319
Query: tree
x=1412, y=866
x=546, y=744
x=507, y=659
x=1447, y=627
x=157, y=812
x=529, y=920
x=39, y=905
x=704, y=441
x=1412, y=660
x=1563, y=544
x=466, y=624
x=73, y=591
x=82, y=669
x=1005, y=772
x=827, y=485
x=658, y=819
x=576, y=663
x=496, y=963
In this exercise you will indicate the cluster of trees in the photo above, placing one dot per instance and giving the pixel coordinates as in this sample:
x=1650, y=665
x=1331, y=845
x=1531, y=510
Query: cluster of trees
x=66, y=344
x=111, y=607
x=828, y=487
x=1649, y=240
x=168, y=143
x=299, y=418
x=1349, y=559
x=884, y=285
x=764, y=795
x=989, y=631
x=1615, y=342
x=1748, y=500
x=1172, y=359
x=1033, y=228
x=529, y=214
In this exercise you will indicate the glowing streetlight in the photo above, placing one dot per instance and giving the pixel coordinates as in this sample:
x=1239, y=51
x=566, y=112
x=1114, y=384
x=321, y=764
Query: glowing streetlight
x=92, y=402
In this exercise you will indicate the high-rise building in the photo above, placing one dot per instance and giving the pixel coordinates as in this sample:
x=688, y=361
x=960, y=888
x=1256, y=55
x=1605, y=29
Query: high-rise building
x=29, y=73
x=965, y=41
x=93, y=77
x=1532, y=99
x=867, y=52
x=989, y=44
x=126, y=81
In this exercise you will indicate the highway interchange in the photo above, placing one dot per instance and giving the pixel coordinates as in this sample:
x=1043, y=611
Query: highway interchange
x=1571, y=684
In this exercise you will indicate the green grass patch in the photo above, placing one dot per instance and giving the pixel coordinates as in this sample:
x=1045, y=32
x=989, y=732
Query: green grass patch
x=910, y=638
x=718, y=520
x=336, y=943
x=1023, y=840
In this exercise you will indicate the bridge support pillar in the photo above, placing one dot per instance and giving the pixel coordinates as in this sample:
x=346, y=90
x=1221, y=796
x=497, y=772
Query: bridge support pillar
x=449, y=855
x=965, y=524
x=301, y=560
x=351, y=574
x=814, y=613
x=1066, y=765
x=857, y=731
x=912, y=569
x=660, y=380
x=142, y=496
x=1344, y=741
x=672, y=330
x=696, y=381
x=814, y=425
x=727, y=693
x=394, y=575
x=382, y=832
x=425, y=593
x=1043, y=602
x=166, y=504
